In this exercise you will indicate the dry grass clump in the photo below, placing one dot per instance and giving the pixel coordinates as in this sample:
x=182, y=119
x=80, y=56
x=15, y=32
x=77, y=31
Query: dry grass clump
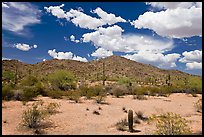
x=122, y=125
x=170, y=124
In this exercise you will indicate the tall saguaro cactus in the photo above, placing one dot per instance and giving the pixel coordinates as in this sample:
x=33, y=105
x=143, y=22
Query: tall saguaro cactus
x=104, y=78
x=130, y=120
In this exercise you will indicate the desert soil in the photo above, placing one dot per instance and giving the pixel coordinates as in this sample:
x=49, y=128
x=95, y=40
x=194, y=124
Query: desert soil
x=74, y=119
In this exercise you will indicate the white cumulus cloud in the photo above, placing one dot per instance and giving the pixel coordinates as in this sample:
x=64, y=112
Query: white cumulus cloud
x=35, y=46
x=101, y=53
x=191, y=56
x=111, y=38
x=72, y=38
x=193, y=65
x=65, y=55
x=177, y=21
x=24, y=47
x=108, y=18
x=83, y=20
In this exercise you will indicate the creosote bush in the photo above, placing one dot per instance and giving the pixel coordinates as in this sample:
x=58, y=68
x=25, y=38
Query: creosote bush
x=170, y=124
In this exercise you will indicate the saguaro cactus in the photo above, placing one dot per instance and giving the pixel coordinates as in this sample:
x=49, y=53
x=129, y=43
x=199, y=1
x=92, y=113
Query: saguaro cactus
x=130, y=120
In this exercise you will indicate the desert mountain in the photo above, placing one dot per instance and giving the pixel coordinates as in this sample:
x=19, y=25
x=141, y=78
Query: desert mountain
x=114, y=67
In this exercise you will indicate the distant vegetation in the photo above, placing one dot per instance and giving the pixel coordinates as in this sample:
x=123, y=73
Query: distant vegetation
x=21, y=82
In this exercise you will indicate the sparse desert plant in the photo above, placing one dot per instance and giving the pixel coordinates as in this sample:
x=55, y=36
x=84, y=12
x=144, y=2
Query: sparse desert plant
x=130, y=120
x=87, y=109
x=75, y=95
x=198, y=106
x=171, y=124
x=140, y=115
x=139, y=97
x=96, y=112
x=122, y=124
x=33, y=116
x=52, y=107
x=100, y=98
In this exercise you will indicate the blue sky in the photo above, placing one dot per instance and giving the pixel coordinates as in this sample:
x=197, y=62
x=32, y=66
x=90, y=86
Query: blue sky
x=167, y=35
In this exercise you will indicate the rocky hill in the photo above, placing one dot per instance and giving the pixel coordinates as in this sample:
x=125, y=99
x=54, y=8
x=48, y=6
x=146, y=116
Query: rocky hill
x=115, y=67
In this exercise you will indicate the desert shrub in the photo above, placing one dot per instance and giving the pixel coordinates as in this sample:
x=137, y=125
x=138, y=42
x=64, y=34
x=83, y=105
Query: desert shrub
x=141, y=116
x=29, y=93
x=29, y=81
x=198, y=106
x=55, y=94
x=32, y=117
x=122, y=124
x=52, y=107
x=74, y=95
x=139, y=91
x=171, y=124
x=8, y=76
x=119, y=90
x=125, y=81
x=7, y=92
x=18, y=95
x=139, y=97
x=62, y=80
x=95, y=91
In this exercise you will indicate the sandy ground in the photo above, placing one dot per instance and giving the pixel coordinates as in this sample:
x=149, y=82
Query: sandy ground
x=74, y=119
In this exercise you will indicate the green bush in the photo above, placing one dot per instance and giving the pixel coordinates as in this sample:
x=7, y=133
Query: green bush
x=7, y=92
x=55, y=94
x=8, y=76
x=29, y=93
x=74, y=95
x=62, y=80
x=29, y=81
x=171, y=124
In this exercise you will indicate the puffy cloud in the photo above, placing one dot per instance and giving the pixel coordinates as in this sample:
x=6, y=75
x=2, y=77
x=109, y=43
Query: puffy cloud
x=65, y=55
x=193, y=65
x=101, y=53
x=176, y=22
x=111, y=38
x=44, y=59
x=193, y=59
x=56, y=11
x=35, y=46
x=24, y=47
x=156, y=59
x=108, y=18
x=83, y=20
x=72, y=38
x=191, y=56
x=18, y=16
